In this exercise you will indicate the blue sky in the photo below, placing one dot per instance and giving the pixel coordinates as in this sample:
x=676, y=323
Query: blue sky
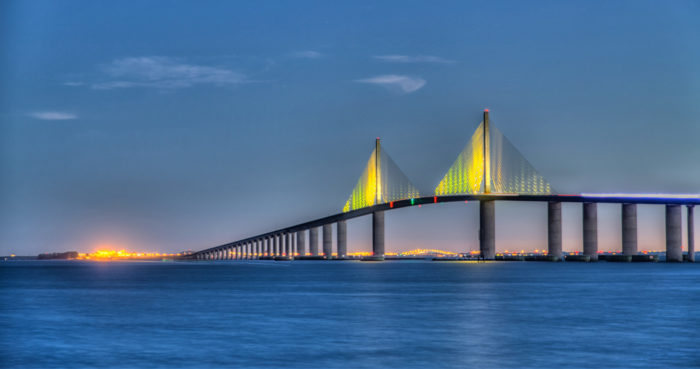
x=180, y=125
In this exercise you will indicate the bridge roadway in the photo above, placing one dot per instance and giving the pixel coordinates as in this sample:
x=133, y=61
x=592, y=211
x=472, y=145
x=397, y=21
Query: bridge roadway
x=487, y=223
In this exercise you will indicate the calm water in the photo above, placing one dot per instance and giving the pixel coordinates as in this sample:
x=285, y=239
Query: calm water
x=348, y=315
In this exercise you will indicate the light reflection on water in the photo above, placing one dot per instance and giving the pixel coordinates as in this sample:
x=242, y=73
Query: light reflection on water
x=348, y=314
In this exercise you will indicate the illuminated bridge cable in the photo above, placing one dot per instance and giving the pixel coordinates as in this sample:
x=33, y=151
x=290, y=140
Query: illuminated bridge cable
x=466, y=174
x=382, y=181
x=509, y=171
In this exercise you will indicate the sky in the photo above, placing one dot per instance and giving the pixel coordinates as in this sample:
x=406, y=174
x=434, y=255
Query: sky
x=167, y=126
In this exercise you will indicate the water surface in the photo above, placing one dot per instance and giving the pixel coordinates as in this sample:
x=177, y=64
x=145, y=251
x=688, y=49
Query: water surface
x=70, y=314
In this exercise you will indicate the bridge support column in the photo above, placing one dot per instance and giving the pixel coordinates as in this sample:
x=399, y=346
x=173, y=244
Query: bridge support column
x=278, y=244
x=313, y=241
x=554, y=247
x=342, y=235
x=301, y=242
x=327, y=241
x=487, y=229
x=691, y=234
x=293, y=242
x=283, y=244
x=674, y=233
x=378, y=234
x=256, y=249
x=629, y=229
x=288, y=243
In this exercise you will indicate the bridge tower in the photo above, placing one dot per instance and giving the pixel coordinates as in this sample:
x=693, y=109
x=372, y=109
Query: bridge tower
x=381, y=182
x=491, y=165
x=487, y=208
x=378, y=216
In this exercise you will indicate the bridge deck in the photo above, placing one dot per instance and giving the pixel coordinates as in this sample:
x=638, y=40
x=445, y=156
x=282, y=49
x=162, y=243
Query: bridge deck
x=592, y=198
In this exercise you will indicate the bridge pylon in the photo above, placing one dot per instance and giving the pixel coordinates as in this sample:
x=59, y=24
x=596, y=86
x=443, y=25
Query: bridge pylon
x=381, y=182
x=491, y=164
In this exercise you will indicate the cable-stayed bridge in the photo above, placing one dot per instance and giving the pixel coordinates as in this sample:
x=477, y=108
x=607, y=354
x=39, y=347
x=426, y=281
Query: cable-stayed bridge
x=489, y=169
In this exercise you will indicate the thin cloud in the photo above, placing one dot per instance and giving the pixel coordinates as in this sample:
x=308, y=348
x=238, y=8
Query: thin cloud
x=163, y=73
x=53, y=115
x=73, y=84
x=307, y=54
x=413, y=59
x=398, y=83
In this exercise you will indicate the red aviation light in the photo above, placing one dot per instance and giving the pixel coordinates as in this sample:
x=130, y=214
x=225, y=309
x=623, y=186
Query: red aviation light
x=434, y=199
x=391, y=204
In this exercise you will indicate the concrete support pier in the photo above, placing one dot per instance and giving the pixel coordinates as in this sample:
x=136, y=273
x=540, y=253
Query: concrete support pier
x=301, y=243
x=342, y=237
x=328, y=240
x=691, y=235
x=290, y=247
x=554, y=248
x=629, y=229
x=313, y=241
x=487, y=229
x=674, y=233
x=378, y=234
x=275, y=245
